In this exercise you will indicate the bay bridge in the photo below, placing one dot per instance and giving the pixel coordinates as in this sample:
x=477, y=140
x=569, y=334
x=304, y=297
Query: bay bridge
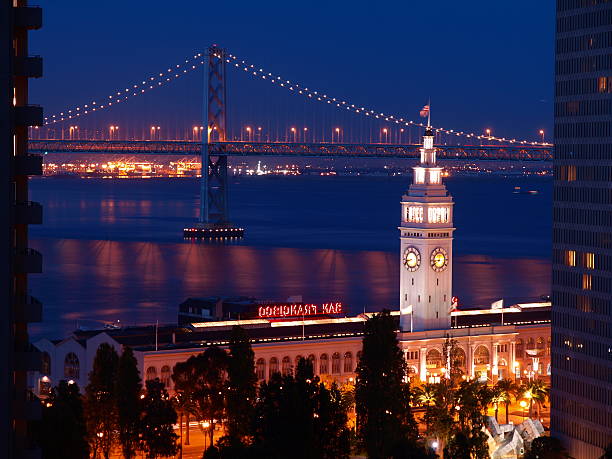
x=211, y=141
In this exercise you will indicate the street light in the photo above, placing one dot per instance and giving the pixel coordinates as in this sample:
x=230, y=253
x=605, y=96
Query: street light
x=385, y=132
x=293, y=130
x=337, y=130
x=542, y=134
x=523, y=404
x=488, y=131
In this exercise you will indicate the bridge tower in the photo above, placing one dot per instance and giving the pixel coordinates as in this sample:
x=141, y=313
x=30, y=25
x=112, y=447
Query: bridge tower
x=213, y=221
x=426, y=240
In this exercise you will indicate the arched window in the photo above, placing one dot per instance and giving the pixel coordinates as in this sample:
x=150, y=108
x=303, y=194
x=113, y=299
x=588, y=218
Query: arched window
x=348, y=362
x=260, y=369
x=412, y=371
x=530, y=344
x=297, y=360
x=71, y=366
x=481, y=356
x=548, y=346
x=433, y=358
x=286, y=365
x=313, y=361
x=459, y=358
x=519, y=348
x=45, y=367
x=273, y=366
x=165, y=376
x=323, y=368
x=540, y=343
x=336, y=363
x=151, y=373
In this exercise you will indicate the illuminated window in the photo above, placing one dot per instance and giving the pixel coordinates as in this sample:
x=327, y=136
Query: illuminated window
x=481, y=356
x=589, y=260
x=587, y=281
x=336, y=363
x=602, y=84
x=165, y=376
x=540, y=343
x=313, y=360
x=45, y=367
x=519, y=348
x=419, y=175
x=323, y=368
x=570, y=257
x=434, y=176
x=260, y=369
x=437, y=215
x=530, y=344
x=273, y=366
x=571, y=173
x=433, y=359
x=286, y=366
x=151, y=373
x=71, y=366
x=348, y=362
x=415, y=214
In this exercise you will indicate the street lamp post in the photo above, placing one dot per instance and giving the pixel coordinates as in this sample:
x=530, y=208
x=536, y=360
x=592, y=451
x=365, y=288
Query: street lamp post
x=523, y=404
x=542, y=134
x=488, y=131
x=385, y=131
x=294, y=132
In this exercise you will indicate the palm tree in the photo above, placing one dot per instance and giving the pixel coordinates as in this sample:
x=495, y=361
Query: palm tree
x=425, y=394
x=505, y=390
x=537, y=391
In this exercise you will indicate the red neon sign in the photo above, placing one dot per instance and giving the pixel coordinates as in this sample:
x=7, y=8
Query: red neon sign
x=297, y=310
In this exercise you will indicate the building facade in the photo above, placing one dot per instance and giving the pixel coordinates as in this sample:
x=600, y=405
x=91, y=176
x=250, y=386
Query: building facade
x=17, y=357
x=582, y=236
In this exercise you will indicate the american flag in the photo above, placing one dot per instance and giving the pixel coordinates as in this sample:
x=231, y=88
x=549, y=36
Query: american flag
x=425, y=111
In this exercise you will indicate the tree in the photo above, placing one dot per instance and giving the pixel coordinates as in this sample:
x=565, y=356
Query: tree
x=452, y=355
x=242, y=386
x=333, y=435
x=505, y=390
x=546, y=448
x=382, y=395
x=607, y=452
x=202, y=381
x=535, y=391
x=156, y=426
x=129, y=404
x=101, y=401
x=63, y=433
x=439, y=411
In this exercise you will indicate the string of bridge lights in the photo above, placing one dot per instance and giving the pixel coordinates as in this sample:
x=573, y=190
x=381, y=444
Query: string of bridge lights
x=152, y=82
x=342, y=104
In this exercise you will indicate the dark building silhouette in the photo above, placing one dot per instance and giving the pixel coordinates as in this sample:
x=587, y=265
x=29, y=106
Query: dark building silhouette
x=582, y=229
x=17, y=356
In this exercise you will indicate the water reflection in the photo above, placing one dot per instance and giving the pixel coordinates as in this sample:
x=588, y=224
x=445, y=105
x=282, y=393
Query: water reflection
x=140, y=282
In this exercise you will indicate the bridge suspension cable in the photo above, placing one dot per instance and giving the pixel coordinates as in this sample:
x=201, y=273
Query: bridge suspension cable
x=296, y=88
x=151, y=82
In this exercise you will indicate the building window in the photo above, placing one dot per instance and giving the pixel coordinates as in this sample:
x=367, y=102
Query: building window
x=589, y=260
x=323, y=368
x=437, y=214
x=336, y=363
x=313, y=361
x=570, y=257
x=286, y=366
x=151, y=373
x=548, y=346
x=165, y=376
x=415, y=214
x=71, y=366
x=540, y=343
x=519, y=348
x=260, y=369
x=419, y=175
x=434, y=176
x=348, y=362
x=530, y=344
x=45, y=367
x=297, y=361
x=587, y=282
x=458, y=358
x=433, y=359
x=273, y=366
x=481, y=356
x=602, y=84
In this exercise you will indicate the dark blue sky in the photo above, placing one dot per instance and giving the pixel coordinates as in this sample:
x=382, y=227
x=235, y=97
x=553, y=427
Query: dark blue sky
x=484, y=63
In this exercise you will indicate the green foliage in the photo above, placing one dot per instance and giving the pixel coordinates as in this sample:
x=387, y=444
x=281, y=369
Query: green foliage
x=546, y=448
x=156, y=425
x=535, y=391
x=101, y=401
x=129, y=404
x=62, y=430
x=382, y=396
x=504, y=391
x=242, y=386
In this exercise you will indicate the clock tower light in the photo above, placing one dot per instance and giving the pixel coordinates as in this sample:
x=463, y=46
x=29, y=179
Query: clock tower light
x=426, y=246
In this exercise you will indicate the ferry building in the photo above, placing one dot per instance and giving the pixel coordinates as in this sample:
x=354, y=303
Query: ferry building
x=495, y=342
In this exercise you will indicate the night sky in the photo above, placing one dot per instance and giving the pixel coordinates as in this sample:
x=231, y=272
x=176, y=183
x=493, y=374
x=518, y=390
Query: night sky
x=483, y=63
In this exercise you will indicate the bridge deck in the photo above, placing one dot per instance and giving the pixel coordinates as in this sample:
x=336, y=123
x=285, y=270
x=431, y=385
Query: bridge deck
x=507, y=152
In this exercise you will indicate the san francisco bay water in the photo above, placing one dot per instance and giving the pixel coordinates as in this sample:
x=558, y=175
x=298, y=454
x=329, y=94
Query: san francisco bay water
x=113, y=248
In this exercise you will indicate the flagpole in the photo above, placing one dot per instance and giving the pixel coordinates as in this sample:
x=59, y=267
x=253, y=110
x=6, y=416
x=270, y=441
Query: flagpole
x=429, y=112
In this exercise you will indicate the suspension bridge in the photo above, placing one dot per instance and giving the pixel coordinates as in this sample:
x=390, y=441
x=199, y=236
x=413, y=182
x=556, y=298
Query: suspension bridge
x=214, y=144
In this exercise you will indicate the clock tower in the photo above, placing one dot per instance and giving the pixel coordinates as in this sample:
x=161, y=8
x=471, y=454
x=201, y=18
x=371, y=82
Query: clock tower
x=426, y=246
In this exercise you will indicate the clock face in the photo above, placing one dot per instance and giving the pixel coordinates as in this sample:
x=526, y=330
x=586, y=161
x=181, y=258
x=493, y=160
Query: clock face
x=439, y=259
x=412, y=259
